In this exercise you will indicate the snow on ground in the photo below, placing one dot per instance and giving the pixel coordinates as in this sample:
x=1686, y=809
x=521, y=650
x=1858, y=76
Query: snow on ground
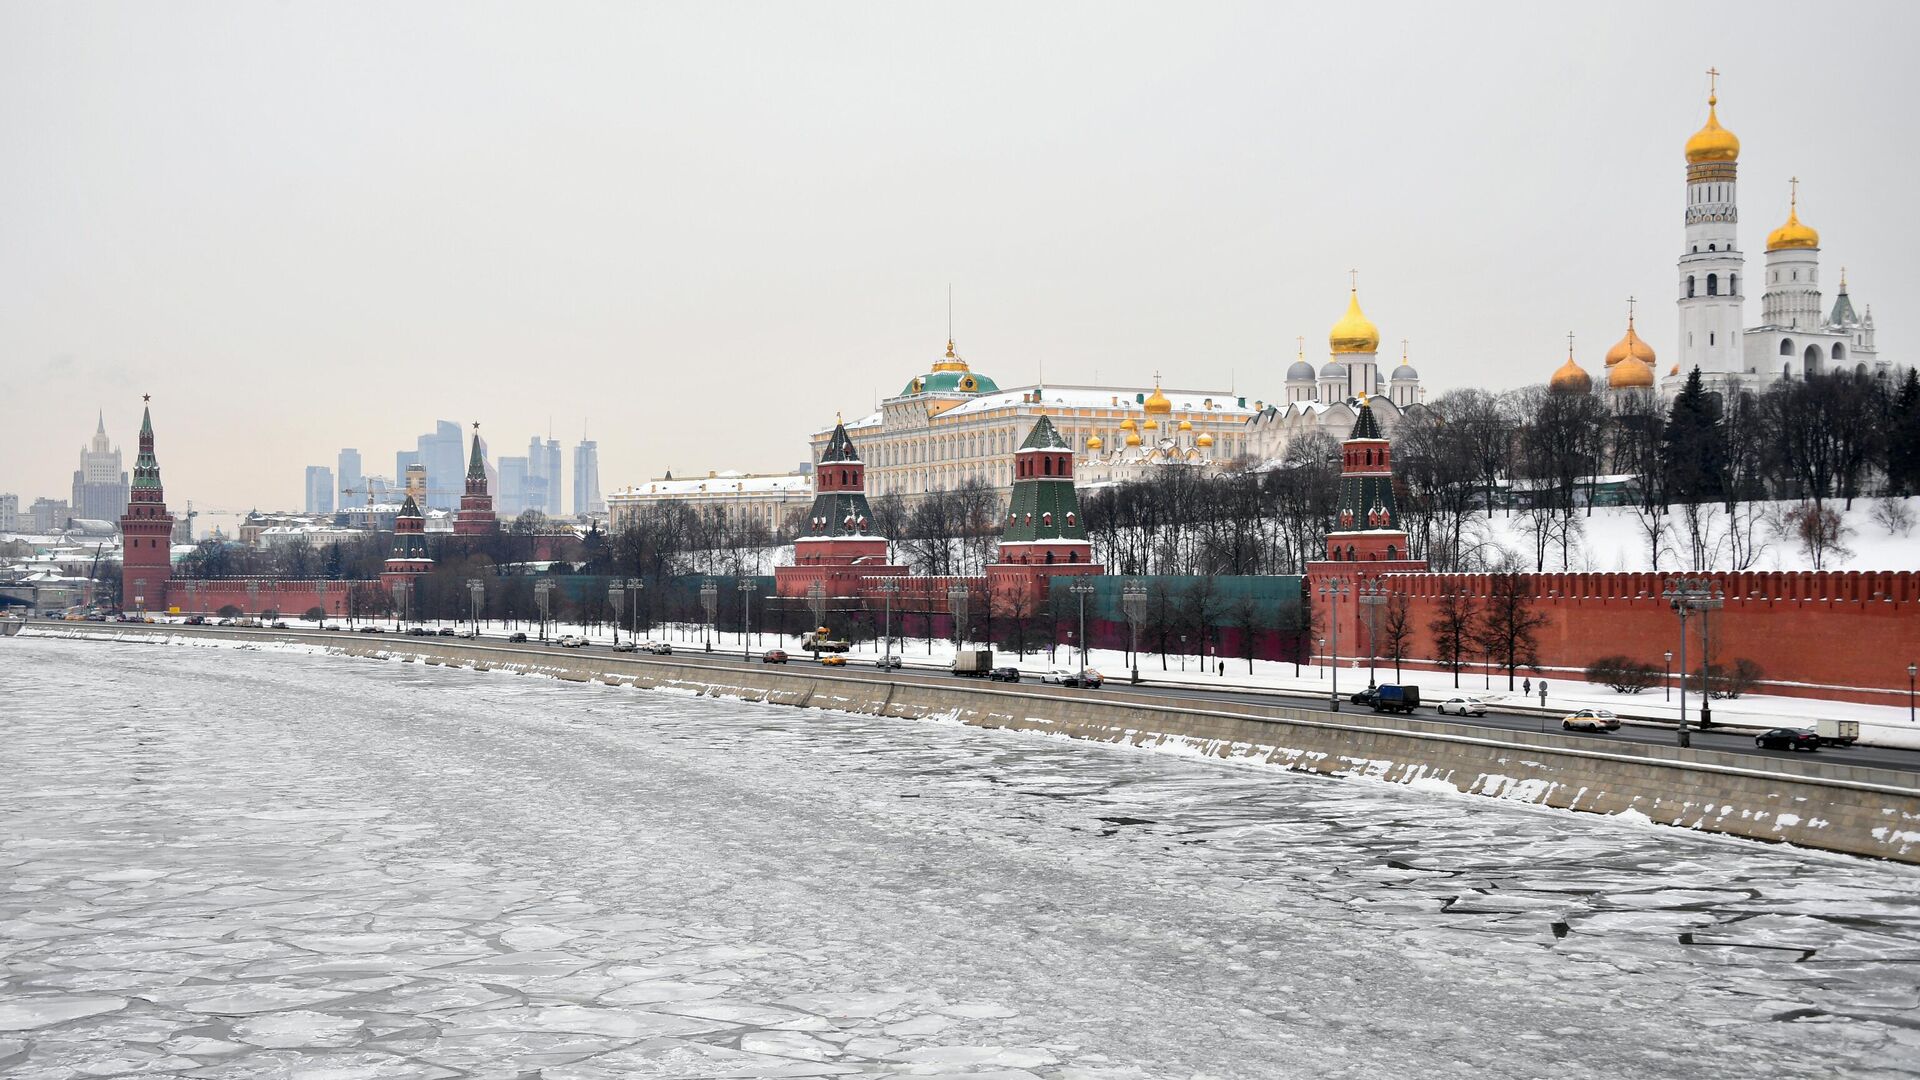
x=1614, y=539
x=268, y=863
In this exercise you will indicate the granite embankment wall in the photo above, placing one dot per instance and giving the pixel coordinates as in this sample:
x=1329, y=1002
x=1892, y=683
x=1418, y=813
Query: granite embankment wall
x=1851, y=809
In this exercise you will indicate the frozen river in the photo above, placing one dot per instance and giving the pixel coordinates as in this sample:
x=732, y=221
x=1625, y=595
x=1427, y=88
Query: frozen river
x=236, y=863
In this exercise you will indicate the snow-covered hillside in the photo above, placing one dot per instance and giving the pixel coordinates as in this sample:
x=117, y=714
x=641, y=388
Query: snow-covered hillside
x=1619, y=539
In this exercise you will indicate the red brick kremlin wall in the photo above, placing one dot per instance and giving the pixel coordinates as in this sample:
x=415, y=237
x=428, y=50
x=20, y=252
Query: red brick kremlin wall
x=1847, y=635
x=291, y=599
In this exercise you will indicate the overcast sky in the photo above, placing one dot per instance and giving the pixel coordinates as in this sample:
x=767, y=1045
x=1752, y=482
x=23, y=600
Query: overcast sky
x=699, y=230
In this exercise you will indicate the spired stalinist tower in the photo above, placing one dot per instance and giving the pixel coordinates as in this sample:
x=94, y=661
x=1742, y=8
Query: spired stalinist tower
x=1711, y=265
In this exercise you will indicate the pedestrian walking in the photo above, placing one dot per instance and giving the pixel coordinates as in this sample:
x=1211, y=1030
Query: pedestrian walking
x=1526, y=687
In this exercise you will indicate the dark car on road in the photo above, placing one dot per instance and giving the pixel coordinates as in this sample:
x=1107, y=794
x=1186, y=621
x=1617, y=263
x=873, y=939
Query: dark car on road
x=517, y=638
x=1786, y=738
x=370, y=630
x=774, y=656
x=1004, y=674
x=446, y=631
x=419, y=631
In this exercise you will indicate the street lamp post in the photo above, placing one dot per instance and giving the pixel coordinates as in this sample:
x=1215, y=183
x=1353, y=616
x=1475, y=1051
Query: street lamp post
x=477, y=592
x=1333, y=591
x=1082, y=587
x=1133, y=601
x=1912, y=671
x=1687, y=596
x=617, y=596
x=542, y=590
x=1372, y=594
x=747, y=587
x=1666, y=678
x=710, y=602
x=638, y=585
x=887, y=589
x=957, y=603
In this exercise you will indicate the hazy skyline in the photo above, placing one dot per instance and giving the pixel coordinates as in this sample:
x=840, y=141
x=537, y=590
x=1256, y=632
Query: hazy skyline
x=701, y=231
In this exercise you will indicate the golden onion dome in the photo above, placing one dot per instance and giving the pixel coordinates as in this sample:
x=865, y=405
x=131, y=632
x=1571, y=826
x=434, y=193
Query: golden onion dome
x=1157, y=402
x=1793, y=234
x=1127, y=424
x=951, y=361
x=1133, y=438
x=1713, y=142
x=1205, y=439
x=1186, y=425
x=1570, y=378
x=1675, y=370
x=1354, y=333
x=1630, y=345
x=1631, y=373
x=1094, y=442
x=1151, y=424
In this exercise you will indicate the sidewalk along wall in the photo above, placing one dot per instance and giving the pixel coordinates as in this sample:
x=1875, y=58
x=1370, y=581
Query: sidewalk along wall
x=1836, y=635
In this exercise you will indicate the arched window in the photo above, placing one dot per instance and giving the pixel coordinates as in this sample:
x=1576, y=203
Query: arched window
x=1393, y=553
x=1812, y=361
x=1786, y=371
x=1713, y=247
x=1839, y=352
x=1689, y=284
x=1047, y=463
x=1786, y=346
x=1713, y=284
x=1733, y=284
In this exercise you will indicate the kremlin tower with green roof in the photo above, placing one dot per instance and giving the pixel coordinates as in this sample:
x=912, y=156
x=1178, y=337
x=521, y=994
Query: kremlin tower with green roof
x=1044, y=534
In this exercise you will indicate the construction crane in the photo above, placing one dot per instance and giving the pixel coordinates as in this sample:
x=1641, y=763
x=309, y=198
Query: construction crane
x=399, y=492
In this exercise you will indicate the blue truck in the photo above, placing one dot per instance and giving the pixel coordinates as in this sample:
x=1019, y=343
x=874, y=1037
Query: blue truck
x=1392, y=697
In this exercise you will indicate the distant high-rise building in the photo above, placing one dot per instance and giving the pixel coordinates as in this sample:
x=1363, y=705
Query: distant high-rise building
x=586, y=479
x=49, y=515
x=416, y=483
x=512, y=497
x=543, y=467
x=401, y=460
x=445, y=458
x=319, y=489
x=9, y=513
x=351, y=478
x=99, y=484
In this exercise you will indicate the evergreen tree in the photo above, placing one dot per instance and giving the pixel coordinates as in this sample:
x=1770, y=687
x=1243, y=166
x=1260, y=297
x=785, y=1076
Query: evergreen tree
x=1693, y=454
x=1903, y=437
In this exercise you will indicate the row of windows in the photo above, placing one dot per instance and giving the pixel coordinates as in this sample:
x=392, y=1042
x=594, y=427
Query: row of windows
x=1713, y=285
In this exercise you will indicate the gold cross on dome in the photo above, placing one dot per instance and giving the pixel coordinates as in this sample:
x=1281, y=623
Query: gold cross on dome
x=1569, y=344
x=1630, y=303
x=1302, y=343
x=1713, y=82
x=1353, y=280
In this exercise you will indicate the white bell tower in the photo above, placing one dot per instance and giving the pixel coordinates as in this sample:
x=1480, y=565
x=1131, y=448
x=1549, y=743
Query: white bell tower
x=1711, y=265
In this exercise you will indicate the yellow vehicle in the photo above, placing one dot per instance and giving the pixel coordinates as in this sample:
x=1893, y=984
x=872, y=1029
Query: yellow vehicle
x=834, y=660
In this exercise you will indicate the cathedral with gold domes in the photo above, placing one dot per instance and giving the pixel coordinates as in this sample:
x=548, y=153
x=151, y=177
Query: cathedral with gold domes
x=1798, y=335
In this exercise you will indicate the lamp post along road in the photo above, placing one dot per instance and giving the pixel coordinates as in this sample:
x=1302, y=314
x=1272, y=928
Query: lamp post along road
x=477, y=593
x=1913, y=670
x=887, y=589
x=1333, y=591
x=617, y=597
x=541, y=593
x=1373, y=594
x=1687, y=596
x=1133, y=601
x=957, y=604
x=1666, y=677
x=747, y=587
x=1083, y=587
x=710, y=602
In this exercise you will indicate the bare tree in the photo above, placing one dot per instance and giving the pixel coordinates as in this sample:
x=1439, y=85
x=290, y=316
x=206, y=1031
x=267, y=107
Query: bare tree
x=1454, y=628
x=1508, y=630
x=1396, y=629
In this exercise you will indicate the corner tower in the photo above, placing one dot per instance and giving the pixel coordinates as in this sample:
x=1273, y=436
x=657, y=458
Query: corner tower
x=1710, y=266
x=146, y=530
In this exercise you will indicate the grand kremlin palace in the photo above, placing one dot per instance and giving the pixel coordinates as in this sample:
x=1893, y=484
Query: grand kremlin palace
x=953, y=424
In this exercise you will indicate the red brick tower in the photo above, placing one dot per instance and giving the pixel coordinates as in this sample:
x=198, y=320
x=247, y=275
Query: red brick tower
x=1045, y=535
x=475, y=516
x=146, y=530
x=839, y=548
x=409, y=559
x=1367, y=540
